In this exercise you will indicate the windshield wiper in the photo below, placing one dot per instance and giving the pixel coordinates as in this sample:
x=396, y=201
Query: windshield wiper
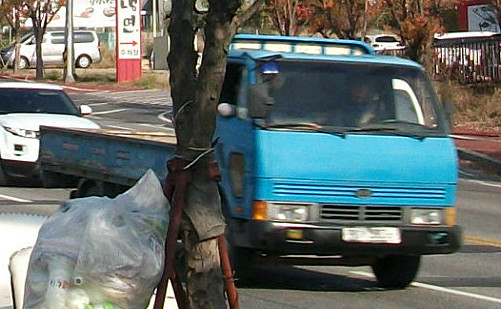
x=388, y=127
x=307, y=126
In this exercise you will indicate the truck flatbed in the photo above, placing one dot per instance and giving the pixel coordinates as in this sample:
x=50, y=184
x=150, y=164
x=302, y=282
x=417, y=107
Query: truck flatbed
x=106, y=155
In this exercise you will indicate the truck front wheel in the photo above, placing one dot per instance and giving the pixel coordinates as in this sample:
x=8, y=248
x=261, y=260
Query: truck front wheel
x=4, y=180
x=396, y=271
x=242, y=259
x=242, y=262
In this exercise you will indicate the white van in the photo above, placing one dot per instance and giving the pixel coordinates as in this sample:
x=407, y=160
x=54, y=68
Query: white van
x=87, y=49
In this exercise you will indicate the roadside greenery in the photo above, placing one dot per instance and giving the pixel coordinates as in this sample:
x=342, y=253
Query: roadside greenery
x=107, y=77
x=475, y=107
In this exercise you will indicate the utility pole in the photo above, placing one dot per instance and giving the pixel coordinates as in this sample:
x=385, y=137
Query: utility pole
x=154, y=14
x=68, y=53
x=364, y=28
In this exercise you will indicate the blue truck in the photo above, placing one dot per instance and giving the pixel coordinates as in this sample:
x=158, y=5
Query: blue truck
x=329, y=153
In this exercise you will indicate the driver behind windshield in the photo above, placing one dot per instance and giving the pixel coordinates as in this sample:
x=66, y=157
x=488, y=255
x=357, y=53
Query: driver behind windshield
x=365, y=103
x=349, y=96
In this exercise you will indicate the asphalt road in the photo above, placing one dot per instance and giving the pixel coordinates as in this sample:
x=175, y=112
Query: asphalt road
x=470, y=278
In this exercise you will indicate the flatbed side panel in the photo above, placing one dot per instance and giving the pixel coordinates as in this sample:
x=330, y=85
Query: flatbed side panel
x=116, y=157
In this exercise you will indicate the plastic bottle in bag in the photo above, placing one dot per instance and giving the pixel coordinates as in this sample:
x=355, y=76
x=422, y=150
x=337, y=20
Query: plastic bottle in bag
x=60, y=270
x=77, y=298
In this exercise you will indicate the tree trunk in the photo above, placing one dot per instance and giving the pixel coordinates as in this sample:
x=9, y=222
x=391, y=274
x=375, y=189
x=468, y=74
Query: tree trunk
x=17, y=54
x=40, y=73
x=195, y=97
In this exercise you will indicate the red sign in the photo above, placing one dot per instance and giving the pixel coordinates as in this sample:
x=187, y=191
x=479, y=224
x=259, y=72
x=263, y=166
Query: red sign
x=129, y=43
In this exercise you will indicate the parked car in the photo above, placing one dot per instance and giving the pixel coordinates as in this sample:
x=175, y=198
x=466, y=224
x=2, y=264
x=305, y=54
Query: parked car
x=381, y=42
x=7, y=52
x=87, y=49
x=24, y=107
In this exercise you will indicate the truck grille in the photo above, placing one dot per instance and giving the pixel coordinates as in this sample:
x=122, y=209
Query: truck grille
x=383, y=194
x=352, y=207
x=351, y=213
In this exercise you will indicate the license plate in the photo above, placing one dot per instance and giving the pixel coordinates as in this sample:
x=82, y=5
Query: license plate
x=376, y=235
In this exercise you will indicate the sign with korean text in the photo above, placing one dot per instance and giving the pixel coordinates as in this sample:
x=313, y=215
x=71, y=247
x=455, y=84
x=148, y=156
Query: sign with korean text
x=128, y=29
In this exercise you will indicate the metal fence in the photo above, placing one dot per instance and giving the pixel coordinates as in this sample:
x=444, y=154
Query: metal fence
x=469, y=61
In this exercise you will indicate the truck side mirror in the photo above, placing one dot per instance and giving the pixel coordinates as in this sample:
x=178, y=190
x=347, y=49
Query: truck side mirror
x=260, y=101
x=226, y=110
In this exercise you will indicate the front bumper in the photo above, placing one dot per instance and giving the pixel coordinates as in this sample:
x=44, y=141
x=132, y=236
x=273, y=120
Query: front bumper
x=273, y=238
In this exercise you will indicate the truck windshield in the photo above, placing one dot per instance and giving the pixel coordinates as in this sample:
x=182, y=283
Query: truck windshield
x=350, y=97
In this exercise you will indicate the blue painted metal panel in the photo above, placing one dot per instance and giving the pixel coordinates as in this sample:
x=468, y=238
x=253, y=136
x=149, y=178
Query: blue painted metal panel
x=97, y=155
x=315, y=167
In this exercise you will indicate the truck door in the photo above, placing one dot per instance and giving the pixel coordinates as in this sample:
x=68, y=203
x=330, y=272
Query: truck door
x=235, y=143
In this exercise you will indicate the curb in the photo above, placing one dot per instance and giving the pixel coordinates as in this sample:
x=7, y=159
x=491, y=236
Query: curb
x=481, y=159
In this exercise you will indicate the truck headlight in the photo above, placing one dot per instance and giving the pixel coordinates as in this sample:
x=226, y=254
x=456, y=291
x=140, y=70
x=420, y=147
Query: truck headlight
x=288, y=212
x=425, y=216
x=22, y=132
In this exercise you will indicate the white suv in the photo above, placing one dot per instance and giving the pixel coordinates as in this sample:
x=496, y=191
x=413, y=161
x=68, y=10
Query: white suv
x=24, y=107
x=87, y=49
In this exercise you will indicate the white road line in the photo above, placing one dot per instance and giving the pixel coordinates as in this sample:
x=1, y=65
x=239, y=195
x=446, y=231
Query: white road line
x=440, y=289
x=15, y=199
x=111, y=111
x=163, y=118
x=119, y=127
x=485, y=183
x=157, y=126
x=81, y=89
x=473, y=138
x=466, y=173
x=97, y=104
x=463, y=137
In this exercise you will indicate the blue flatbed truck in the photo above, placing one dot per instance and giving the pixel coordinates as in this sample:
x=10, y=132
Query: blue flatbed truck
x=329, y=153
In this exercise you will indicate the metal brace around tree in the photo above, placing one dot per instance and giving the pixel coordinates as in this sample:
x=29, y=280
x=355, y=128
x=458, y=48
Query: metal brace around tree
x=175, y=188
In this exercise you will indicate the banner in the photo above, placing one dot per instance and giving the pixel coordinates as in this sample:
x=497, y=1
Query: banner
x=86, y=13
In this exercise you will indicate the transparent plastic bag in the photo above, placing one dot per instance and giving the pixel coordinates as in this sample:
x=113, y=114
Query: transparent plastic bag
x=100, y=252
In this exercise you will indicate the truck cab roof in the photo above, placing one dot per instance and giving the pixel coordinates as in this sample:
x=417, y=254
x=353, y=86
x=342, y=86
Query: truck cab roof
x=262, y=47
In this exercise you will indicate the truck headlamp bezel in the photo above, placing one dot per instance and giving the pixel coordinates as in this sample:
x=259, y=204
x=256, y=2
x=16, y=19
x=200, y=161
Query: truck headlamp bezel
x=289, y=212
x=427, y=216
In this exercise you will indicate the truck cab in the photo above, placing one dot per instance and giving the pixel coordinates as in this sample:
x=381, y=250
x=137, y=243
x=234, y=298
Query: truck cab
x=331, y=154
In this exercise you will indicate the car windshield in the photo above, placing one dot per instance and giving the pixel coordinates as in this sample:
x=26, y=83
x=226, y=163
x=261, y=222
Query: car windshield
x=21, y=40
x=36, y=101
x=354, y=97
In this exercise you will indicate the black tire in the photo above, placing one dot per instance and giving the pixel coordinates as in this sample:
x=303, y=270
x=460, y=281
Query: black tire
x=83, y=61
x=396, y=271
x=24, y=63
x=51, y=179
x=4, y=179
x=242, y=263
x=242, y=259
